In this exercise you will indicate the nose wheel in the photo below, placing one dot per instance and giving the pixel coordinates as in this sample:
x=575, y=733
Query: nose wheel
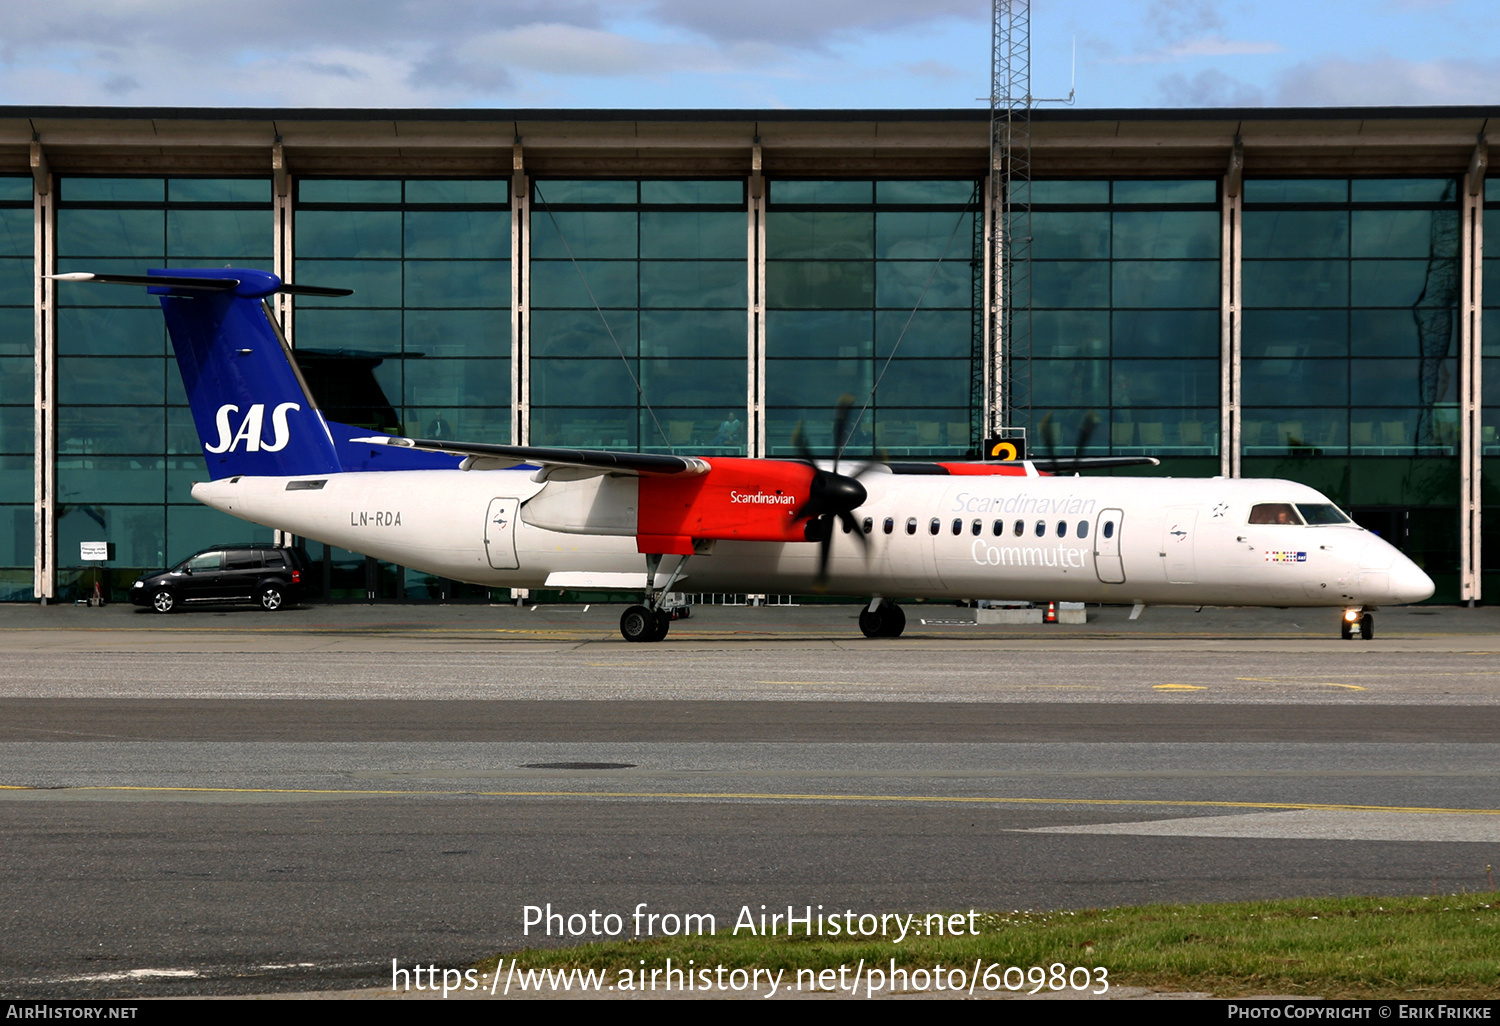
x=1357, y=623
x=886, y=620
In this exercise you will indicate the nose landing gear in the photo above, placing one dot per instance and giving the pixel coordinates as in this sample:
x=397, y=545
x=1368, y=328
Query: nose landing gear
x=1357, y=622
x=882, y=619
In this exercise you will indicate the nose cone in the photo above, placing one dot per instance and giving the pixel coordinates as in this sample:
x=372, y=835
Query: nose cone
x=1408, y=583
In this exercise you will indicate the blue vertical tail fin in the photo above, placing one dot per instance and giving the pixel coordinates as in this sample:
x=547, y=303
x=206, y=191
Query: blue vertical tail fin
x=250, y=405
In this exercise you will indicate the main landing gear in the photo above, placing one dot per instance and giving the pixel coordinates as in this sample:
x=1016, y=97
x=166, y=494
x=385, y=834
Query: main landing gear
x=651, y=621
x=882, y=619
x=1357, y=622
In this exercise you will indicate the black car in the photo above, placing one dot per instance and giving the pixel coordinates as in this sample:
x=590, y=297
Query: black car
x=266, y=575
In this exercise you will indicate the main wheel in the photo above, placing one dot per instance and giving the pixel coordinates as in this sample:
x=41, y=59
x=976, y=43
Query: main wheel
x=662, y=622
x=1367, y=627
x=163, y=600
x=870, y=622
x=892, y=620
x=637, y=624
x=272, y=598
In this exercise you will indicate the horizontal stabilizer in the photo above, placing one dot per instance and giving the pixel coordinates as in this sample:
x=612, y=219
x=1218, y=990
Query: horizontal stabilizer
x=1066, y=464
x=193, y=284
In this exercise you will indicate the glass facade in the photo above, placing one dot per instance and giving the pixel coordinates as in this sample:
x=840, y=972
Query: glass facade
x=639, y=335
x=1350, y=351
x=127, y=450
x=1125, y=283
x=17, y=374
x=872, y=285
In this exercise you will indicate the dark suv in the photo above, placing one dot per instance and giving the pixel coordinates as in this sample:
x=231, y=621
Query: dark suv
x=270, y=577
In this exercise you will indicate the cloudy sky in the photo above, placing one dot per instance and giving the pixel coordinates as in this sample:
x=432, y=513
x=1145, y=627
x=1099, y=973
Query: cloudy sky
x=734, y=53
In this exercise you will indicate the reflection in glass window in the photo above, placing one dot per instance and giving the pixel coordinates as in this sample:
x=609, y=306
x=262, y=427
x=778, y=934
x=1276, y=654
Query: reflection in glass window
x=1274, y=513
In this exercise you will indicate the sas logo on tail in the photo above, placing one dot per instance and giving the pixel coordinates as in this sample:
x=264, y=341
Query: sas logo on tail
x=250, y=429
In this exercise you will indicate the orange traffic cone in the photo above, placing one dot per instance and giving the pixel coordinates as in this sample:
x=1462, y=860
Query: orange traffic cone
x=1051, y=616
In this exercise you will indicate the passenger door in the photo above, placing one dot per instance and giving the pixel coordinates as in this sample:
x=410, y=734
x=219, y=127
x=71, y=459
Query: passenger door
x=1107, y=562
x=500, y=533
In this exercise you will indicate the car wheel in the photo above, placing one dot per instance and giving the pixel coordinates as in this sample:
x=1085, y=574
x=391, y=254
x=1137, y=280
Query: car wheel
x=163, y=601
x=272, y=598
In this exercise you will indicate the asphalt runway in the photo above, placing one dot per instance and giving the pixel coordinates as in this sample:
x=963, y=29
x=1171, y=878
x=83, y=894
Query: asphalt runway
x=223, y=805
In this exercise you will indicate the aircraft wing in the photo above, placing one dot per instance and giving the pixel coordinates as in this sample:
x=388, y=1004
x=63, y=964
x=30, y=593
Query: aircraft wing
x=481, y=456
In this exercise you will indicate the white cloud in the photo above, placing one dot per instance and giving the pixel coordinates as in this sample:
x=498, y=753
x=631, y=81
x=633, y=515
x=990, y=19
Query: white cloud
x=1208, y=88
x=1389, y=81
x=1208, y=46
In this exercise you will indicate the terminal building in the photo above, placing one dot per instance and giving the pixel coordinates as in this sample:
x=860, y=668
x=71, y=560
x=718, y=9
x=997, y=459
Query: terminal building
x=1292, y=293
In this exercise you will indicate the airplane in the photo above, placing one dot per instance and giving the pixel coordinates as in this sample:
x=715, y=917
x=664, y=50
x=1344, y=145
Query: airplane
x=540, y=517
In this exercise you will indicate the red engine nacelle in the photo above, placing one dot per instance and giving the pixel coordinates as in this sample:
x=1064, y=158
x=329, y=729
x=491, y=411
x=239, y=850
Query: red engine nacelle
x=738, y=499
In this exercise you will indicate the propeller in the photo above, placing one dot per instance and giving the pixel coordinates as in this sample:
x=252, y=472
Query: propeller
x=831, y=497
x=1049, y=437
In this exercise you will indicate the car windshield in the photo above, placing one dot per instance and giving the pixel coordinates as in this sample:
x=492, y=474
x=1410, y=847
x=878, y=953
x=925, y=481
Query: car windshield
x=1321, y=513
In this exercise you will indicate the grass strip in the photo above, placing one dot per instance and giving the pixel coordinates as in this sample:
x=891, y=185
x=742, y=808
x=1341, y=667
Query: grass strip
x=1445, y=946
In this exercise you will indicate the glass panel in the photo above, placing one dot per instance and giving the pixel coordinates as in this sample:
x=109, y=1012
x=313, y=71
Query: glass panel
x=819, y=285
x=115, y=233
x=682, y=283
x=1070, y=333
x=1283, y=333
x=928, y=333
x=602, y=382
x=1164, y=432
x=581, y=333
x=1401, y=332
x=1403, y=190
x=17, y=429
x=313, y=190
x=1165, y=383
x=17, y=332
x=1167, y=333
x=1402, y=382
x=925, y=383
x=1296, y=190
x=560, y=192
x=219, y=233
x=830, y=333
x=818, y=234
x=457, y=332
x=694, y=382
x=815, y=382
x=1296, y=233
x=487, y=191
x=481, y=283
x=373, y=330
x=906, y=284
x=1402, y=282
x=16, y=230
x=111, y=190
x=1069, y=192
x=461, y=234
x=1069, y=283
x=111, y=479
x=448, y=383
x=820, y=192
x=1166, y=234
x=137, y=532
x=375, y=282
x=694, y=334
x=15, y=189
x=594, y=234
x=219, y=190
x=917, y=193
x=1080, y=235
x=113, y=429
x=729, y=191
x=1405, y=233
x=1058, y=383
x=348, y=233
x=924, y=236
x=582, y=285
x=1296, y=283
x=1166, y=283
x=1294, y=382
x=16, y=379
x=1282, y=430
x=1166, y=192
x=586, y=428
x=702, y=235
x=97, y=380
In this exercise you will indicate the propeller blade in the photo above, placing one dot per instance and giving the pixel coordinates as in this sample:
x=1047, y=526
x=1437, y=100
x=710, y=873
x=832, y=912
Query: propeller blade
x=857, y=532
x=825, y=546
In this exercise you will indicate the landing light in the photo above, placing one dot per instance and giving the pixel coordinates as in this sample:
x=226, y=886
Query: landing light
x=1351, y=615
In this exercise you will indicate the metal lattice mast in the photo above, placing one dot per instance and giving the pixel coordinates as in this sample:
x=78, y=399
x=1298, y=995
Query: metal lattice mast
x=1010, y=217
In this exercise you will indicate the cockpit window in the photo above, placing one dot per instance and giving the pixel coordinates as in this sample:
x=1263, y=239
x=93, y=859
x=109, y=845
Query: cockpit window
x=1321, y=513
x=1274, y=513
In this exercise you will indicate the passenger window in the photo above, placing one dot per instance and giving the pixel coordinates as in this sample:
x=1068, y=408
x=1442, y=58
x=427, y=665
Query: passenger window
x=206, y=561
x=869, y=525
x=889, y=525
x=911, y=525
x=999, y=528
x=1062, y=528
x=845, y=524
x=1083, y=528
x=1109, y=529
x=977, y=528
x=1274, y=513
x=935, y=526
x=1020, y=528
x=242, y=559
x=958, y=526
x=1041, y=528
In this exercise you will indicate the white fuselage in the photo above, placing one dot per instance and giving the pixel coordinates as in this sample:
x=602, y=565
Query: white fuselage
x=1094, y=539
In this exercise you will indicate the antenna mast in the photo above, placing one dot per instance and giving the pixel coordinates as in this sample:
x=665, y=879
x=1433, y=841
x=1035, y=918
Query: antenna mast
x=1009, y=356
